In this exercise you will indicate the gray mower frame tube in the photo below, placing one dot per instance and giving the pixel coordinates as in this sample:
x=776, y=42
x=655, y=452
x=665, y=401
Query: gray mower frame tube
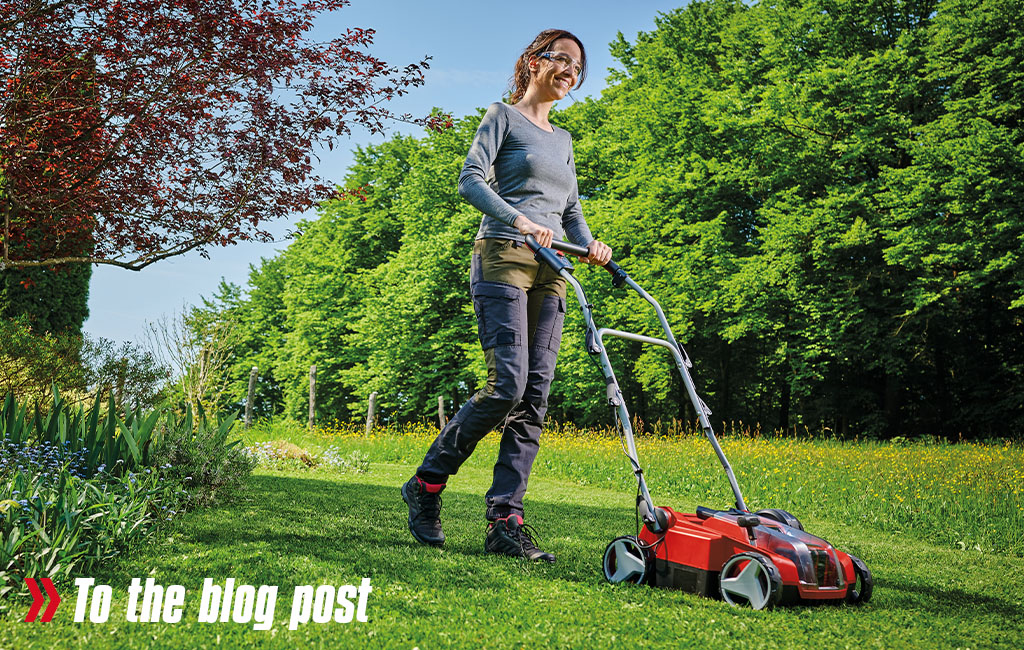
x=595, y=345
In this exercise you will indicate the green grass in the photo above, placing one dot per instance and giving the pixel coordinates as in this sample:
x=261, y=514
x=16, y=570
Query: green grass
x=295, y=527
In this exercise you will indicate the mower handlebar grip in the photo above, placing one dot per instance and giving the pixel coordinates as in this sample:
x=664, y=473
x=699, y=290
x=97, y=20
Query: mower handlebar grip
x=618, y=275
x=566, y=247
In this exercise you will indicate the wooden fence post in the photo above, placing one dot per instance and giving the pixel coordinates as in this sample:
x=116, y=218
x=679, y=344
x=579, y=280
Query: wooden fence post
x=440, y=411
x=312, y=395
x=371, y=412
x=249, y=395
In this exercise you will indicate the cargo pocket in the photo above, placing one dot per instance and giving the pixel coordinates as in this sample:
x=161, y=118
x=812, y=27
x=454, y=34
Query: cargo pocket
x=500, y=314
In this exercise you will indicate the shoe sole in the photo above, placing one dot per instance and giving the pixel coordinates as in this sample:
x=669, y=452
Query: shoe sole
x=421, y=540
x=490, y=551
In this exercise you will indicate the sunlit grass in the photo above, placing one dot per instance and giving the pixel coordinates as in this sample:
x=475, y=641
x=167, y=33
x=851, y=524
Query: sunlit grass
x=294, y=525
x=964, y=495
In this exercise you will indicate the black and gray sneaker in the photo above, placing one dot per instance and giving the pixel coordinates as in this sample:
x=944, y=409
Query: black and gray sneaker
x=510, y=536
x=424, y=501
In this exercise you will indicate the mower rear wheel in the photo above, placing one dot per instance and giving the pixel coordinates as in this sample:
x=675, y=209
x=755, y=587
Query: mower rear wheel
x=625, y=560
x=781, y=516
x=860, y=591
x=750, y=579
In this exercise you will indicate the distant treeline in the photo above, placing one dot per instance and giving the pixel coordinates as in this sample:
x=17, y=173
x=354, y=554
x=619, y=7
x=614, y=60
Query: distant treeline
x=826, y=196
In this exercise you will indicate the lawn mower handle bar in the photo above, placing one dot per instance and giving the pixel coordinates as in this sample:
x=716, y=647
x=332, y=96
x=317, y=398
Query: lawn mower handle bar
x=595, y=345
x=618, y=275
x=563, y=246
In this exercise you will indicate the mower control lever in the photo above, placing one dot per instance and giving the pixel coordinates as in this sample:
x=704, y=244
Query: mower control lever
x=748, y=521
x=549, y=257
x=743, y=519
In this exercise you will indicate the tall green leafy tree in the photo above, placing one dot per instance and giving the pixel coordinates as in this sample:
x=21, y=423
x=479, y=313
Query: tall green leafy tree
x=262, y=335
x=416, y=322
x=956, y=221
x=252, y=320
x=787, y=183
x=670, y=190
x=323, y=279
x=824, y=195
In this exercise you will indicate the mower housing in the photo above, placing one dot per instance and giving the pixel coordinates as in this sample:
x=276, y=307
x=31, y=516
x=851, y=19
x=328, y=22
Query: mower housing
x=691, y=553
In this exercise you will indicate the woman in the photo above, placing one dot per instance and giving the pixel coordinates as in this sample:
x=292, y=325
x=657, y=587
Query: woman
x=521, y=175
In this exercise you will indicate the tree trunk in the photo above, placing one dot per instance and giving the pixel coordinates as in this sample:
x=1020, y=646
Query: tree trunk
x=784, y=406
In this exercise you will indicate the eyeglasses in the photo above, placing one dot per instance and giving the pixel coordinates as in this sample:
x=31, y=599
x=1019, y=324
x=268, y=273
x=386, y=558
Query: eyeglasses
x=563, y=60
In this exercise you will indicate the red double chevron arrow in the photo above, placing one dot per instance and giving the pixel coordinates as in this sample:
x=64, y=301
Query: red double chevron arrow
x=38, y=599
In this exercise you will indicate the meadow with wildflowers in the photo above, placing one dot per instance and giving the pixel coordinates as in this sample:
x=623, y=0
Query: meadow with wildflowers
x=938, y=524
x=963, y=495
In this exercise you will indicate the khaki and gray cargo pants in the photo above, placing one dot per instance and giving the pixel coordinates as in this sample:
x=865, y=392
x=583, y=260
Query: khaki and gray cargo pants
x=520, y=306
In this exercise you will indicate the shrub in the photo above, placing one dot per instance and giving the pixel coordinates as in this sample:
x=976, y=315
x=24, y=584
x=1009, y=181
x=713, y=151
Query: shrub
x=200, y=456
x=31, y=362
x=132, y=375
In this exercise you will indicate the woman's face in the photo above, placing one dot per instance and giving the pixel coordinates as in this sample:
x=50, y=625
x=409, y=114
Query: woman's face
x=552, y=74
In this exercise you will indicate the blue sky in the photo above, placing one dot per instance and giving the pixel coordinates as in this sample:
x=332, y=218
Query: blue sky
x=474, y=46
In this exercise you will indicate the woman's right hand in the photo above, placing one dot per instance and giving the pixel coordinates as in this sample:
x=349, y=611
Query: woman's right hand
x=540, y=233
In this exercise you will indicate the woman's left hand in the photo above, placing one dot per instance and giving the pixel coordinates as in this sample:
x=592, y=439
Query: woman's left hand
x=600, y=254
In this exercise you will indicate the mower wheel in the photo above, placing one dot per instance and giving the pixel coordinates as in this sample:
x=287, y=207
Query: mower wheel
x=750, y=579
x=625, y=560
x=860, y=591
x=781, y=516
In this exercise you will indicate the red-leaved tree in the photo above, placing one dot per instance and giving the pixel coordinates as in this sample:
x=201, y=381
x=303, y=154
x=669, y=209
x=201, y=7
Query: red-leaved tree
x=53, y=157
x=172, y=125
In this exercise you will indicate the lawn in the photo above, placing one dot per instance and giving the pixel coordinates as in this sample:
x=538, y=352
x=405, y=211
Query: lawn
x=939, y=525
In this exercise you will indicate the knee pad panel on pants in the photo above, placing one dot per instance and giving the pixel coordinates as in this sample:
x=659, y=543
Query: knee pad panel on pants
x=506, y=375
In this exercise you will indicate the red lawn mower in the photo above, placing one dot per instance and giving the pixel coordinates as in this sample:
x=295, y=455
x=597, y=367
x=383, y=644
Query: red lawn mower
x=758, y=559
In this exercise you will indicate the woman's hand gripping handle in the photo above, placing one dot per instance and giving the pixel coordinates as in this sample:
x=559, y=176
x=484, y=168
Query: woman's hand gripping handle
x=556, y=262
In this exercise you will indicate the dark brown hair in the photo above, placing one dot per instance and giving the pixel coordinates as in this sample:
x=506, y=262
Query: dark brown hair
x=521, y=77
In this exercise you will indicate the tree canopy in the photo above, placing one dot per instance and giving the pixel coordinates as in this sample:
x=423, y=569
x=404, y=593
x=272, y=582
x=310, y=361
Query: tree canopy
x=826, y=196
x=183, y=125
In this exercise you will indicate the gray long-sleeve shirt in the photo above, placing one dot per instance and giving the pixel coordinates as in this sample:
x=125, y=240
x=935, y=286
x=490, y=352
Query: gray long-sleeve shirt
x=515, y=167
